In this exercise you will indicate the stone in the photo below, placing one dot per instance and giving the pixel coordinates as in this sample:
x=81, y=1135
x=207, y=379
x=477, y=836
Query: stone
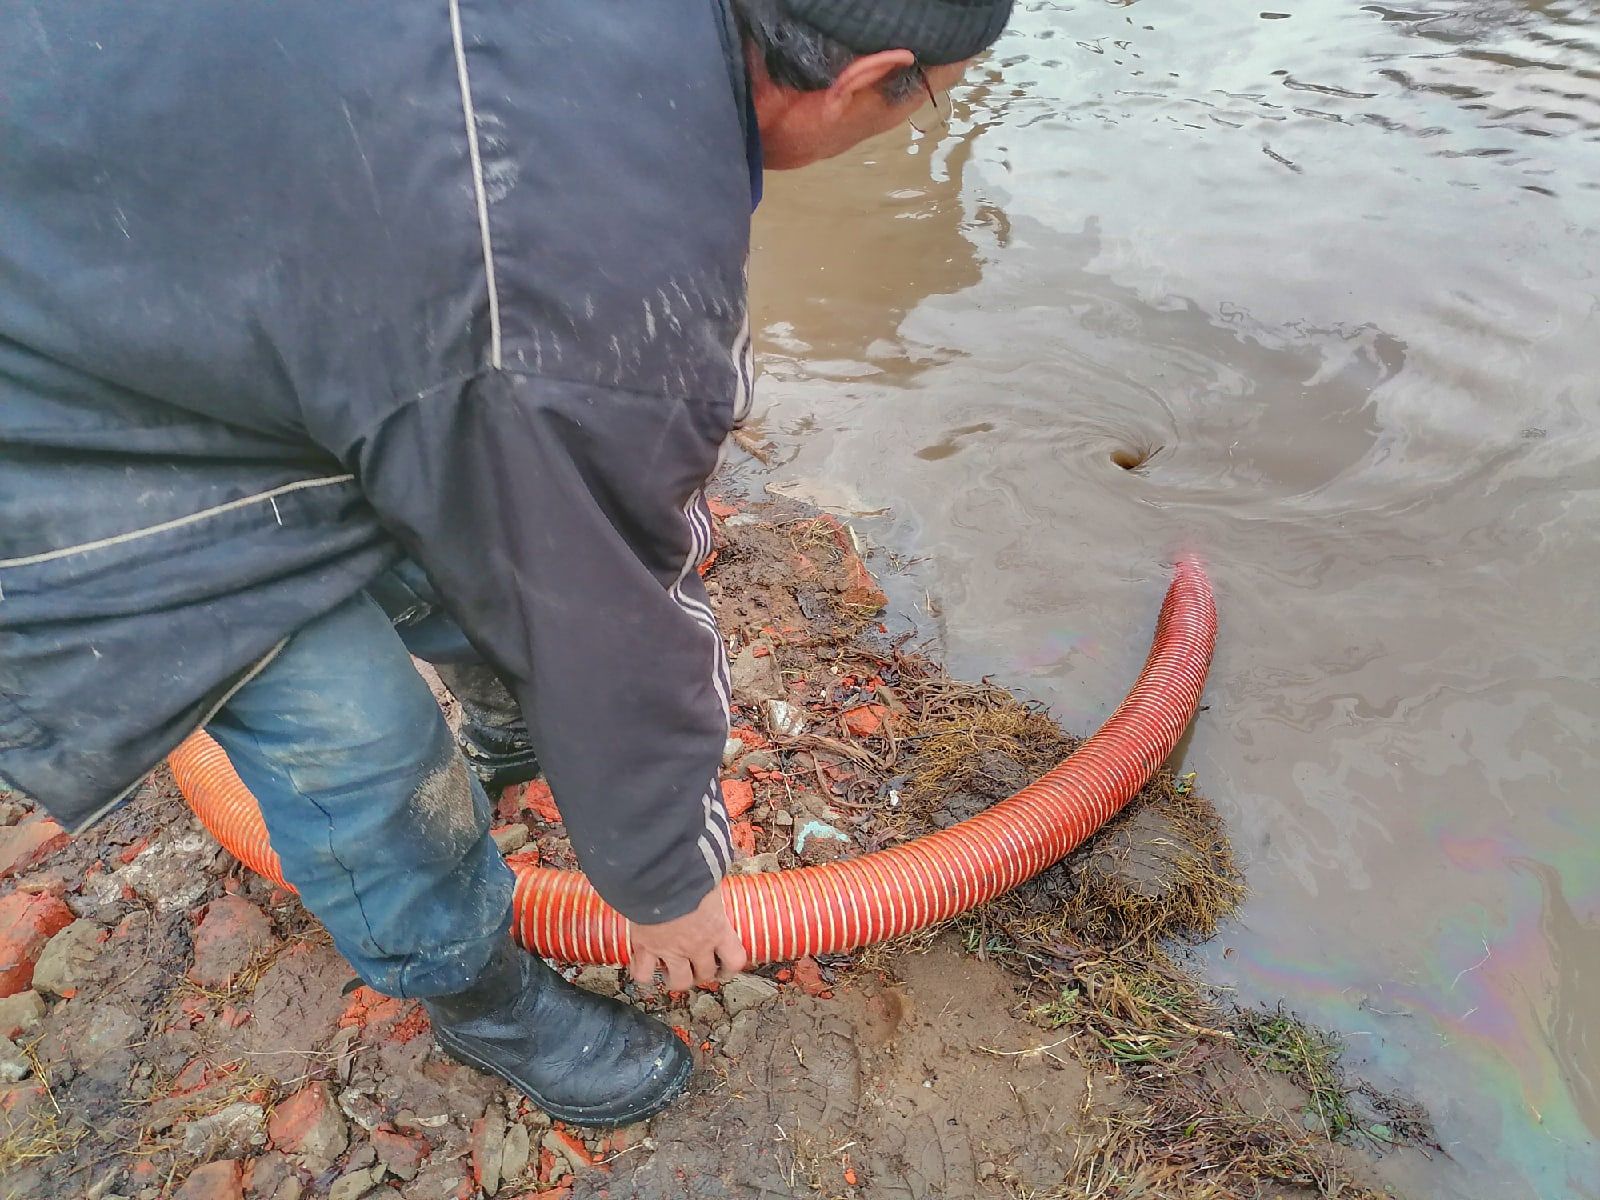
x=27, y=923
x=514, y=1158
x=758, y=864
x=746, y=991
x=26, y=844
x=362, y=1154
x=706, y=1011
x=741, y=1034
x=731, y=750
x=355, y=1185
x=759, y=760
x=111, y=1029
x=816, y=841
x=361, y=1108
x=214, y=1181
x=782, y=817
x=488, y=1143
x=511, y=838
x=230, y=934
x=605, y=980
x=20, y=1013
x=309, y=1127
x=14, y=1064
x=68, y=960
x=755, y=675
x=783, y=718
x=271, y=1177
x=170, y=872
x=234, y=1130
x=10, y=811
x=436, y=1180
x=401, y=1153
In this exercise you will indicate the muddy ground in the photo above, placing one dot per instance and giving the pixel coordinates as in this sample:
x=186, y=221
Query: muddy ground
x=177, y=1027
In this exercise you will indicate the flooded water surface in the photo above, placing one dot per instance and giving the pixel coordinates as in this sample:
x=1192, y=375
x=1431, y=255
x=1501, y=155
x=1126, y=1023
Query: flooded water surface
x=1314, y=292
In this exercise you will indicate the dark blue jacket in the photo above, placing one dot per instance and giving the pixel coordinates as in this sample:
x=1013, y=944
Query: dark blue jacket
x=290, y=288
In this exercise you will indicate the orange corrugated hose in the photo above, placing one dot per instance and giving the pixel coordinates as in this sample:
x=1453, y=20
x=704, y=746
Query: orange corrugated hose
x=842, y=905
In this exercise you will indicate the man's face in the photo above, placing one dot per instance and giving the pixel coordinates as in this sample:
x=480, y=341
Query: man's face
x=818, y=125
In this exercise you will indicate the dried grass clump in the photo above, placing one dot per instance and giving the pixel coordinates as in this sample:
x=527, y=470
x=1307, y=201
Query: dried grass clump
x=1194, y=1144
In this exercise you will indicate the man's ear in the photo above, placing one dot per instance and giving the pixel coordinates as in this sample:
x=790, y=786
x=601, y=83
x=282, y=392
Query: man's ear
x=865, y=74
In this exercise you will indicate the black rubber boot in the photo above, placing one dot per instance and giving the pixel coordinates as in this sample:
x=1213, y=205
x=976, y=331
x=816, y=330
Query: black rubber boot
x=583, y=1058
x=493, y=736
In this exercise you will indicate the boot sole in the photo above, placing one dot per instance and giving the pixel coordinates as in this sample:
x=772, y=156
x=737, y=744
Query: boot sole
x=589, y=1116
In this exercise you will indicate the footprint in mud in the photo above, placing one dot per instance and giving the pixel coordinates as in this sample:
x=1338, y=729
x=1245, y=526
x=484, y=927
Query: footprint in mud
x=920, y=1089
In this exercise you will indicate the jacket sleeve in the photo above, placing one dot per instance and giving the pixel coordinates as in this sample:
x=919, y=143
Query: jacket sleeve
x=562, y=524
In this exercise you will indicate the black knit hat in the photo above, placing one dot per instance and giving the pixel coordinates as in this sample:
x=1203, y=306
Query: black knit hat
x=936, y=31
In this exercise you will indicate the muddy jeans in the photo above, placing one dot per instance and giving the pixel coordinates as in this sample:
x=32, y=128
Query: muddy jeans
x=376, y=817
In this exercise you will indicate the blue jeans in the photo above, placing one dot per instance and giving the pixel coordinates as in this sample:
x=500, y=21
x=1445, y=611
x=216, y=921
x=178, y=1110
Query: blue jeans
x=376, y=817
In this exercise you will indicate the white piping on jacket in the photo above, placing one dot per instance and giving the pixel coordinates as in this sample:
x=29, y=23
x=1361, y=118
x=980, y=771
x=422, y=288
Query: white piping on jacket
x=470, y=115
x=299, y=485
x=715, y=841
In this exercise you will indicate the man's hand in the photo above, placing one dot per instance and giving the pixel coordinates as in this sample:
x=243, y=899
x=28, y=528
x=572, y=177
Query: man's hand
x=689, y=948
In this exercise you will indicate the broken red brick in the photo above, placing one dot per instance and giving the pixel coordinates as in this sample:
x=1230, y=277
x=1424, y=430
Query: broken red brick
x=750, y=737
x=197, y=1074
x=809, y=978
x=402, y=1153
x=538, y=797
x=744, y=837
x=720, y=508
x=27, y=922
x=860, y=588
x=231, y=933
x=310, y=1125
x=575, y=1145
x=24, y=845
x=413, y=1025
x=222, y=1180
x=738, y=797
x=367, y=1007
x=867, y=720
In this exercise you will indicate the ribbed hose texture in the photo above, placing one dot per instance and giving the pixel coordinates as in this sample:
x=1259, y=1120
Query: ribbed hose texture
x=843, y=905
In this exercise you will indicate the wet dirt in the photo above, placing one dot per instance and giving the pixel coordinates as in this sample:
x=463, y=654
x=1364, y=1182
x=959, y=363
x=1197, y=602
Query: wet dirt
x=925, y=1086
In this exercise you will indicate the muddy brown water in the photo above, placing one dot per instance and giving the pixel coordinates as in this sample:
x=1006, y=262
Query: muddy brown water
x=1325, y=275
